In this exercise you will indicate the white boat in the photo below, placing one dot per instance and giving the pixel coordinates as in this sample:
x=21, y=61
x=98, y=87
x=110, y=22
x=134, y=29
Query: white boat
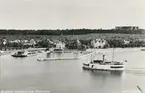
x=105, y=65
x=102, y=65
x=23, y=53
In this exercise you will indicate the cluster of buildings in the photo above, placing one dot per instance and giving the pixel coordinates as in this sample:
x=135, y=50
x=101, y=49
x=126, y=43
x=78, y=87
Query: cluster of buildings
x=59, y=44
x=98, y=43
x=127, y=28
x=31, y=42
x=28, y=43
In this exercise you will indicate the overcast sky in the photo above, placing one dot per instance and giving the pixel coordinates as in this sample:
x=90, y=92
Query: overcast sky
x=62, y=14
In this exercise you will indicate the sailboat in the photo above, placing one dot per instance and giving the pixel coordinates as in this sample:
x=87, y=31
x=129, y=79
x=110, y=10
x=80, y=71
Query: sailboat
x=104, y=64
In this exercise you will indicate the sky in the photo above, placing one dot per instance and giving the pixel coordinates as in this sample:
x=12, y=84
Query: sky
x=71, y=14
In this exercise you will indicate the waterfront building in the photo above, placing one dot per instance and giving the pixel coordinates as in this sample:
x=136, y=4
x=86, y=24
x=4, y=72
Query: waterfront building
x=24, y=41
x=126, y=42
x=15, y=41
x=78, y=43
x=51, y=42
x=59, y=46
x=127, y=28
x=4, y=42
x=28, y=43
x=32, y=42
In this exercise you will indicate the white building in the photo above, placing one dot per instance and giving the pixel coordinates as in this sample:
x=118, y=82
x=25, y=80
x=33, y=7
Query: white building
x=78, y=43
x=127, y=28
x=15, y=41
x=4, y=41
x=33, y=42
x=60, y=45
x=51, y=42
x=25, y=41
x=126, y=42
x=98, y=43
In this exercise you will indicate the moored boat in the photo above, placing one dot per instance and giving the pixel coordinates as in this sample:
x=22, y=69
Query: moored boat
x=24, y=53
x=105, y=65
x=19, y=54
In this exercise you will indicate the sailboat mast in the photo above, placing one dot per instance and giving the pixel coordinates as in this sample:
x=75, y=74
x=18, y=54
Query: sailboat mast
x=113, y=55
x=93, y=56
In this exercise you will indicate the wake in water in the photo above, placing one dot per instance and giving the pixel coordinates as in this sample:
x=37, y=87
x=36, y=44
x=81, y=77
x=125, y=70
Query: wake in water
x=136, y=71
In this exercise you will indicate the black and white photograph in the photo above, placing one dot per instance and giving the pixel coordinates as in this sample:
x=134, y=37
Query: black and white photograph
x=72, y=46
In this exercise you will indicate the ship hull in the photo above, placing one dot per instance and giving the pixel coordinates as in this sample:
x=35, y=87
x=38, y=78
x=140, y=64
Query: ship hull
x=103, y=67
x=19, y=55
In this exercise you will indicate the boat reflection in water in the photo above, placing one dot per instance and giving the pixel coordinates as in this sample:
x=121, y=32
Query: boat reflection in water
x=98, y=72
x=103, y=73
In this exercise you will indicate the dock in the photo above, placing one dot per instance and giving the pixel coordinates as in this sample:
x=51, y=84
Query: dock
x=65, y=58
x=62, y=58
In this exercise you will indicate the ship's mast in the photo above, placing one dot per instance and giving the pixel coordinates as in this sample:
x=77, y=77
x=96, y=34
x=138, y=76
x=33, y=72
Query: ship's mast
x=113, y=55
x=103, y=58
x=91, y=58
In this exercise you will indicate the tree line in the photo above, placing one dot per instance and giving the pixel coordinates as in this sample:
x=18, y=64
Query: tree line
x=67, y=31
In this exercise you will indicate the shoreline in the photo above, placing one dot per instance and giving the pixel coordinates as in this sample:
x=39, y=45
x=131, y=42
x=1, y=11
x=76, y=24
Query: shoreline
x=8, y=52
x=119, y=49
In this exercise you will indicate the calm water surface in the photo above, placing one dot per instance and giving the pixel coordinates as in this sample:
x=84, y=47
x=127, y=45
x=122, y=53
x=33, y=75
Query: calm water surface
x=67, y=76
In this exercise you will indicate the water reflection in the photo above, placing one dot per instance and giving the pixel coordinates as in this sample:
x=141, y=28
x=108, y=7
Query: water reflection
x=104, y=73
x=104, y=81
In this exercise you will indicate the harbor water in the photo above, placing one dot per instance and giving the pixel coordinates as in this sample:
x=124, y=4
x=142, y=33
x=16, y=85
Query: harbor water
x=67, y=76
